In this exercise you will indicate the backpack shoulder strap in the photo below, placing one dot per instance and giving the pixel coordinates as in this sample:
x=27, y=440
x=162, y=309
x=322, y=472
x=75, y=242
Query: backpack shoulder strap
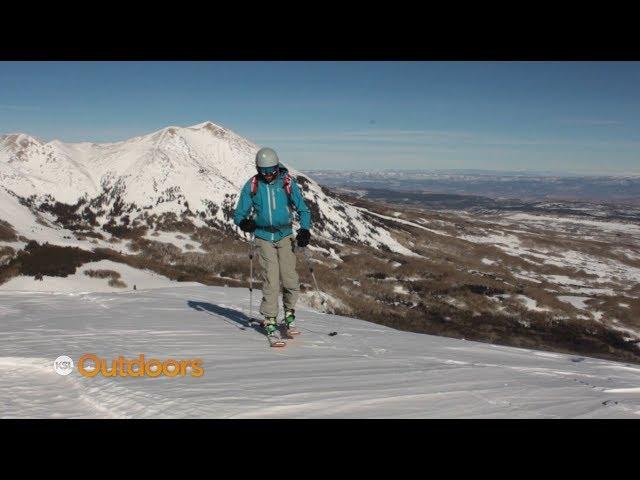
x=286, y=183
x=254, y=185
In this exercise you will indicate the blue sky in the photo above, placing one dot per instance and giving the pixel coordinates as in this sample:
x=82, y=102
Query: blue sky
x=534, y=116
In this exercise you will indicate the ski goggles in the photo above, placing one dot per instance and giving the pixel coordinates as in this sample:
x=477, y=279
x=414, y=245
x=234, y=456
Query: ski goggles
x=268, y=170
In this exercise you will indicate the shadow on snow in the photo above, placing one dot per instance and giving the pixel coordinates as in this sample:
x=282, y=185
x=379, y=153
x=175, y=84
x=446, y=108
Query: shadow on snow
x=232, y=317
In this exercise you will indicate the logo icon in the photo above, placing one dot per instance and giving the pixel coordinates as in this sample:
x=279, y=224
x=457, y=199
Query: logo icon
x=63, y=365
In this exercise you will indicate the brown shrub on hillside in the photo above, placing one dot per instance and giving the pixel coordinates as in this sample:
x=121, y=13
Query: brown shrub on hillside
x=162, y=251
x=124, y=231
x=114, y=282
x=6, y=253
x=7, y=233
x=66, y=214
x=170, y=222
x=181, y=272
x=8, y=271
x=102, y=274
x=83, y=235
x=51, y=260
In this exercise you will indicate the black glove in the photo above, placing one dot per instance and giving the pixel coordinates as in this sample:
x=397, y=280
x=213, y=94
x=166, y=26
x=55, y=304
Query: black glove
x=247, y=225
x=303, y=237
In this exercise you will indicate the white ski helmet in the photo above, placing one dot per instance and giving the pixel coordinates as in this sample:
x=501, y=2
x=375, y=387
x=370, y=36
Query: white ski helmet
x=266, y=157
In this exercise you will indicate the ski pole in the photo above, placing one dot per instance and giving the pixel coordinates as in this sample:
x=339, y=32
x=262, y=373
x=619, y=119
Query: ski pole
x=322, y=300
x=251, y=250
x=306, y=257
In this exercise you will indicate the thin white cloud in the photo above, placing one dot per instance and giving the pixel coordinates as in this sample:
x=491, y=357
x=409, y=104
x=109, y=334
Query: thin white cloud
x=592, y=122
x=25, y=108
x=368, y=135
x=429, y=139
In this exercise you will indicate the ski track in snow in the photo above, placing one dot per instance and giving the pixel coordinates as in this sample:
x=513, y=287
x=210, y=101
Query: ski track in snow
x=366, y=371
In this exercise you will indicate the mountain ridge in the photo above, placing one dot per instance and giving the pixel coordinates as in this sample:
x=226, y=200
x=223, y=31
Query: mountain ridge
x=195, y=170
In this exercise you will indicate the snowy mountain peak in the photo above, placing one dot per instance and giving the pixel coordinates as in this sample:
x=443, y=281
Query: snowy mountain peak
x=16, y=141
x=207, y=125
x=160, y=135
x=194, y=170
x=216, y=130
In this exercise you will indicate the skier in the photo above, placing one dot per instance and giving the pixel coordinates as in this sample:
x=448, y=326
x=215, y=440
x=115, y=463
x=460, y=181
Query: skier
x=265, y=209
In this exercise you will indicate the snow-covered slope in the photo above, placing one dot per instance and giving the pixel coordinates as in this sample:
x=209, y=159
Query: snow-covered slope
x=200, y=168
x=80, y=282
x=366, y=371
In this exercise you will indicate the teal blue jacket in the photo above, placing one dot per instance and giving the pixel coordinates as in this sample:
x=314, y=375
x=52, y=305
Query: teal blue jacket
x=271, y=207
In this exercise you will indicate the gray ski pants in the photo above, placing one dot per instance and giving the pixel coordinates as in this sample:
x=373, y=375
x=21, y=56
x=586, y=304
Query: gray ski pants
x=278, y=261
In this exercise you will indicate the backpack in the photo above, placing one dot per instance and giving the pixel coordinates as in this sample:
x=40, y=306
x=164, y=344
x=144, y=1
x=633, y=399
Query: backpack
x=286, y=184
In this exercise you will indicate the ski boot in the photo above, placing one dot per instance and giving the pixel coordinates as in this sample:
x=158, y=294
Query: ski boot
x=288, y=326
x=270, y=326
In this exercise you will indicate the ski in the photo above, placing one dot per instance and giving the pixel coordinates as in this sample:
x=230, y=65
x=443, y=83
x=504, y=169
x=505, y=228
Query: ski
x=276, y=342
x=272, y=339
x=288, y=332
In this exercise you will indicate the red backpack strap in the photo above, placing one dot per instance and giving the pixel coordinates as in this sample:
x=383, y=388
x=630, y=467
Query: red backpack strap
x=286, y=183
x=254, y=185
